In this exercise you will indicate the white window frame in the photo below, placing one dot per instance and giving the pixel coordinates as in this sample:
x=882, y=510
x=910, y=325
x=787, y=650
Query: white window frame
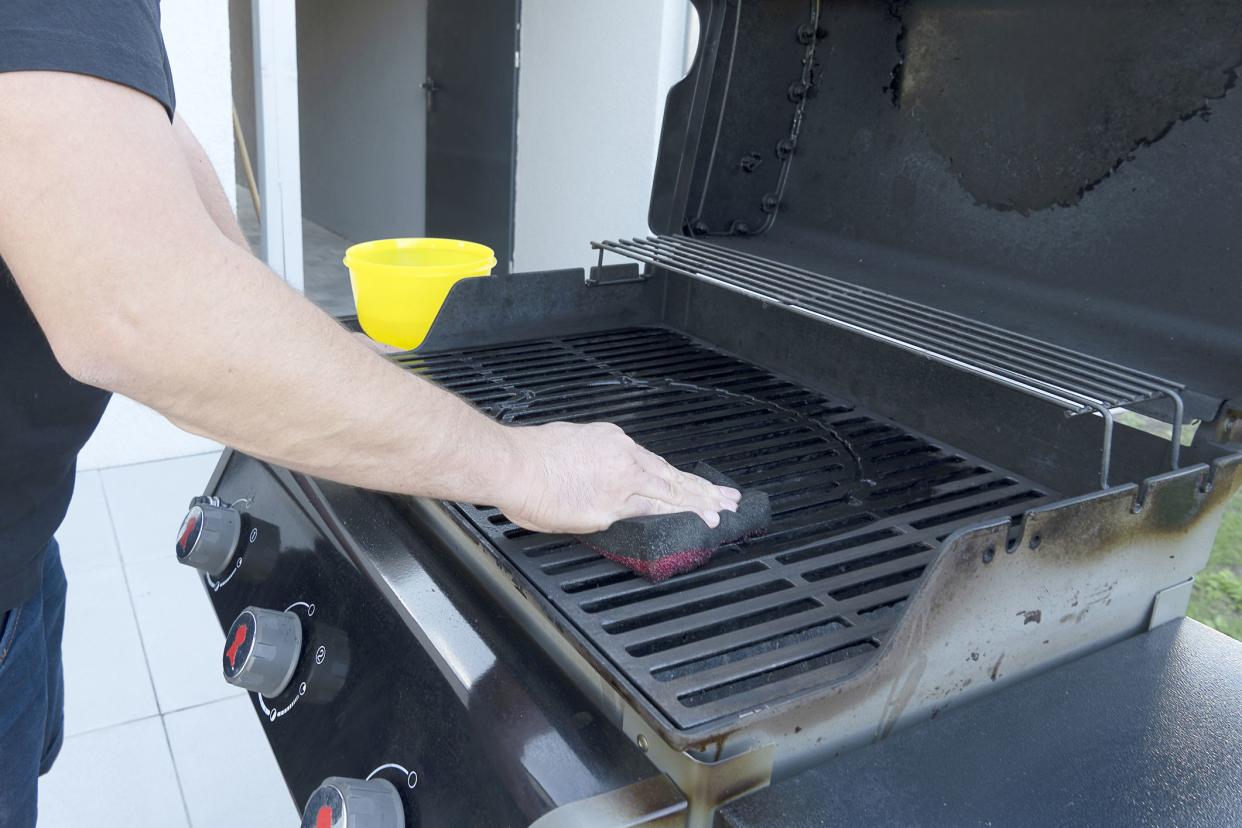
x=276, y=130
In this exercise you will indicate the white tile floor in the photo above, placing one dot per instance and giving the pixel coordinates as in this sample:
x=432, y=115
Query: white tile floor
x=152, y=729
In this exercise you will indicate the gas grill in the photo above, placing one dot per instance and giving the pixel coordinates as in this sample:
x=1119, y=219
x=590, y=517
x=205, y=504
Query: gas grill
x=990, y=385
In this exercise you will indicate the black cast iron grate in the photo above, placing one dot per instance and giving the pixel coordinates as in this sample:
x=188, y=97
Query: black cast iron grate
x=859, y=503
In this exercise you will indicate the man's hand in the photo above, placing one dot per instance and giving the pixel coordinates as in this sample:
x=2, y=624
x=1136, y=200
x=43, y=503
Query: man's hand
x=579, y=479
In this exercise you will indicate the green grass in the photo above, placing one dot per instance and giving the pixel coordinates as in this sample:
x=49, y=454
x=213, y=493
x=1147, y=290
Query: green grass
x=1217, y=598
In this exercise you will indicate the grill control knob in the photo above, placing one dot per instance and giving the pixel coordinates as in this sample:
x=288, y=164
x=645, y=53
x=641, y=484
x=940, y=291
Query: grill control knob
x=354, y=803
x=262, y=649
x=209, y=535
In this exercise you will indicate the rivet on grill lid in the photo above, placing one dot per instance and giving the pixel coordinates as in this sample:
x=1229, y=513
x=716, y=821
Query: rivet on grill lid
x=642, y=743
x=769, y=203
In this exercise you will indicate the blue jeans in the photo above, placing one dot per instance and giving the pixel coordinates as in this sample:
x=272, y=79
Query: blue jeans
x=32, y=694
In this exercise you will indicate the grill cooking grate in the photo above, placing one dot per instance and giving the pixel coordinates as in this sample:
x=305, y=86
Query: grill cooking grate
x=859, y=508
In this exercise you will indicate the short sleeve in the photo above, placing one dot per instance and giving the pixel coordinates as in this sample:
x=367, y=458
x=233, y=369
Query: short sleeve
x=117, y=40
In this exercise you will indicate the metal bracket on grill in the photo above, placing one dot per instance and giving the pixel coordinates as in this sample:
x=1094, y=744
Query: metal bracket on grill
x=1171, y=603
x=622, y=274
x=1077, y=382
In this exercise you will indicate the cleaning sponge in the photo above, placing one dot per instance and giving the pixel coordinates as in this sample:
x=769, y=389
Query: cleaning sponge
x=661, y=546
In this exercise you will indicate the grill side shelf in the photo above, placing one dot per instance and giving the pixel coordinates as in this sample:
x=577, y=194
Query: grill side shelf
x=1079, y=383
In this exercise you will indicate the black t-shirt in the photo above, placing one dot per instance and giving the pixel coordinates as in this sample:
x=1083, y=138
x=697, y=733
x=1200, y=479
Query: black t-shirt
x=45, y=415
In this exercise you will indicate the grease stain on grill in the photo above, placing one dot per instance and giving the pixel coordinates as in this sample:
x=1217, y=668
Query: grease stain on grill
x=880, y=610
x=860, y=505
x=671, y=587
x=981, y=87
x=693, y=607
x=876, y=584
x=960, y=514
x=867, y=562
x=697, y=698
x=686, y=668
x=696, y=634
x=598, y=581
x=584, y=557
x=821, y=549
x=1030, y=616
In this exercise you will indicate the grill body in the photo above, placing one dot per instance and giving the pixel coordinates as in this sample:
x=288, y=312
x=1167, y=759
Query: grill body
x=910, y=258
x=922, y=553
x=934, y=539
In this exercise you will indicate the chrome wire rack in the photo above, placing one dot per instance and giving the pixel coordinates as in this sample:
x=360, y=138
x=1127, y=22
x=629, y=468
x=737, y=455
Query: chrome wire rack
x=1079, y=383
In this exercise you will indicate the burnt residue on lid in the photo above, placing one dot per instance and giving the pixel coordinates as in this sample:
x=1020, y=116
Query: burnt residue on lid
x=1034, y=105
x=1063, y=169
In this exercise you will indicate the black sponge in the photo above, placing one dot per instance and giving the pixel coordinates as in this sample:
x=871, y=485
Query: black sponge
x=661, y=546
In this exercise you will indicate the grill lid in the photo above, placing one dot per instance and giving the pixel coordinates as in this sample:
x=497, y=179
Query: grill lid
x=1070, y=171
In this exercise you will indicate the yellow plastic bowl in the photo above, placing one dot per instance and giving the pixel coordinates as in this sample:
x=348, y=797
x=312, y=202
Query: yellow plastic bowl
x=400, y=284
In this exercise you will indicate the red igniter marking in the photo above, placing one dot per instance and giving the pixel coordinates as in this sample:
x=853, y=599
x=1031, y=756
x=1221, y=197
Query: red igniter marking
x=190, y=523
x=323, y=819
x=239, y=638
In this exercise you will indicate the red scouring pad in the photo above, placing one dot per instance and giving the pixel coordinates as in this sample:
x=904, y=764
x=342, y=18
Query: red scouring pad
x=661, y=546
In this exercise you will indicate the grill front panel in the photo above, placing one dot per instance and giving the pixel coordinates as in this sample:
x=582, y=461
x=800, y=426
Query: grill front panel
x=860, y=505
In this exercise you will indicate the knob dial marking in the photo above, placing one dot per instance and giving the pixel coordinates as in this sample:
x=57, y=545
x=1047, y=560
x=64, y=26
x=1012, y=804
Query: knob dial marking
x=209, y=536
x=262, y=650
x=354, y=803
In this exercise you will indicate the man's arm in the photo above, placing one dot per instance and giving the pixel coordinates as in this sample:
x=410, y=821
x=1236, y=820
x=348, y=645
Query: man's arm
x=207, y=184
x=139, y=292
x=211, y=194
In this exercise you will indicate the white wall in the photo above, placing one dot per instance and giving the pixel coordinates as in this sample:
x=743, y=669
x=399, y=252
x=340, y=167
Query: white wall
x=363, y=116
x=594, y=74
x=197, y=37
x=593, y=78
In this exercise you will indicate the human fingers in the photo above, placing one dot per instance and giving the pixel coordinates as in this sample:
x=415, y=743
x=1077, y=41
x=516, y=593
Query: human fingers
x=683, y=488
x=639, y=506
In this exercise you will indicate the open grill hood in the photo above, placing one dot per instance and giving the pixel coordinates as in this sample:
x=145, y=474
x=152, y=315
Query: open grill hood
x=1069, y=171
x=895, y=246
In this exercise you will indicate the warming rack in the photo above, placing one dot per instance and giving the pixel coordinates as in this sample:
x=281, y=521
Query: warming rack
x=1079, y=383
